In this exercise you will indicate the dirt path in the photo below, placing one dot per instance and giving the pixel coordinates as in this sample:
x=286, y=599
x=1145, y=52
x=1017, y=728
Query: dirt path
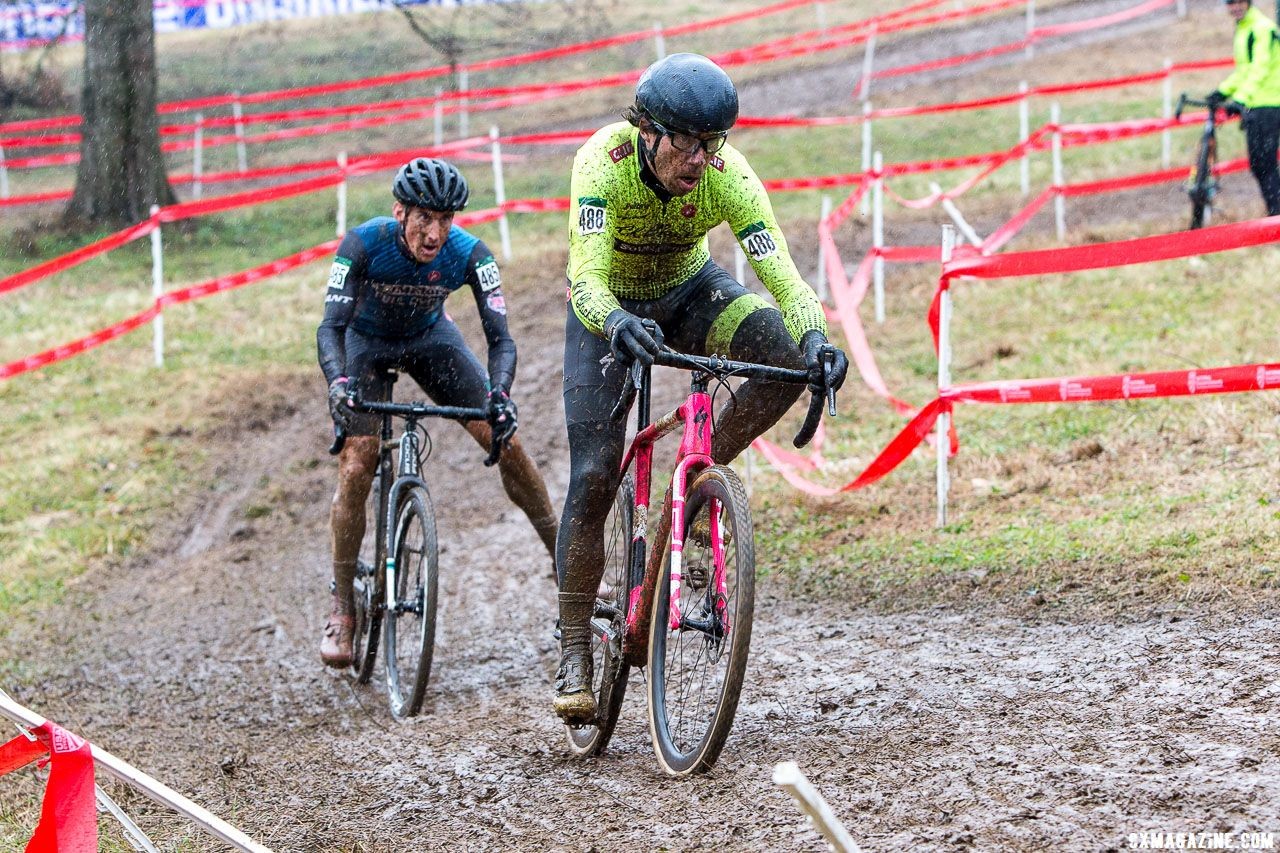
x=936, y=730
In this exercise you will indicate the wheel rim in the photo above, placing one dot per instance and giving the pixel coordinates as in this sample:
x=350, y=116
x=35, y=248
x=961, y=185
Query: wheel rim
x=362, y=594
x=365, y=590
x=608, y=674
x=696, y=660
x=406, y=628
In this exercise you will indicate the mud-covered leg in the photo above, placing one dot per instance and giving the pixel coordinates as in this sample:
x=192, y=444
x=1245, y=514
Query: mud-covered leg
x=594, y=457
x=757, y=405
x=356, y=464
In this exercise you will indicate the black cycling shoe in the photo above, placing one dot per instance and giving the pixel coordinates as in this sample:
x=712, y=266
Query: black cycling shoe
x=575, y=703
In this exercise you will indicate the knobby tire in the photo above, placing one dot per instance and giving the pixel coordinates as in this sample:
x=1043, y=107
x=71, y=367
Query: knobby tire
x=370, y=579
x=1203, y=188
x=609, y=671
x=695, y=678
x=409, y=631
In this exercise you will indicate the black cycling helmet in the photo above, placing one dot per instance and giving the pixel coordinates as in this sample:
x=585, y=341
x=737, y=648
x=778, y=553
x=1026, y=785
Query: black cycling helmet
x=688, y=92
x=433, y=184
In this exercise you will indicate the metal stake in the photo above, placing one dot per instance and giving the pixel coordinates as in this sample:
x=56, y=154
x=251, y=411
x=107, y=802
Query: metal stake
x=197, y=156
x=342, y=194
x=1059, y=201
x=877, y=236
x=944, y=379
x=824, y=292
x=157, y=288
x=1166, y=139
x=500, y=193
x=242, y=154
x=1024, y=133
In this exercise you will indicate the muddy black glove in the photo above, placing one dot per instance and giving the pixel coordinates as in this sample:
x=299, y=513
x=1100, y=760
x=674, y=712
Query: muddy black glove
x=1214, y=98
x=339, y=409
x=501, y=411
x=629, y=340
x=1234, y=108
x=815, y=346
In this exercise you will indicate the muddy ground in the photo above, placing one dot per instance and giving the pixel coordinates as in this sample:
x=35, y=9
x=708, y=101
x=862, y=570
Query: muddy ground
x=935, y=728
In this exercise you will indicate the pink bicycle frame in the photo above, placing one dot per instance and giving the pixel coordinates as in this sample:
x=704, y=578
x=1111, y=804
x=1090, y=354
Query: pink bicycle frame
x=693, y=456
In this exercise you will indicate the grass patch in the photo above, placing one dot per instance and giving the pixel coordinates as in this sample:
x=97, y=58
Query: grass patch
x=1171, y=498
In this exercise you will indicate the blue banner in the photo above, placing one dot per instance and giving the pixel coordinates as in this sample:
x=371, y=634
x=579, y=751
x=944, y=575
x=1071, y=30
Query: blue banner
x=31, y=24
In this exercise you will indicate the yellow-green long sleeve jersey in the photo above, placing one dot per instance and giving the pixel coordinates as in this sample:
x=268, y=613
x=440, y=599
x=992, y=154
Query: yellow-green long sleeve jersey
x=624, y=242
x=1255, y=82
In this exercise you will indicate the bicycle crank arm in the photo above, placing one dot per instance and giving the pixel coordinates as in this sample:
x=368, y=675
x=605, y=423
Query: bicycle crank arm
x=603, y=629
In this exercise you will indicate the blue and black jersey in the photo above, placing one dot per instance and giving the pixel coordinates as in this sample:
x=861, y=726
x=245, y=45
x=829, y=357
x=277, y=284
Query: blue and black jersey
x=378, y=289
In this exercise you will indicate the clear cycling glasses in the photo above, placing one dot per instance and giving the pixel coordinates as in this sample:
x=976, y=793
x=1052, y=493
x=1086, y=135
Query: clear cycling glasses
x=685, y=143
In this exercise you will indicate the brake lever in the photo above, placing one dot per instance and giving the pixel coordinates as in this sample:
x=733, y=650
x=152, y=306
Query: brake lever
x=495, y=451
x=635, y=375
x=828, y=363
x=339, y=440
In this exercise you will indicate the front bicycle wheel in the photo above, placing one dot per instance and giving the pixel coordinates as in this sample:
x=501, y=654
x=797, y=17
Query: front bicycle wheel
x=1206, y=185
x=368, y=586
x=409, y=623
x=698, y=655
x=608, y=671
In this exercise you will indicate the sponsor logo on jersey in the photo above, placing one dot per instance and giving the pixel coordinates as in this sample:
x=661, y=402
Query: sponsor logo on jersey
x=488, y=275
x=338, y=273
x=434, y=275
x=718, y=163
x=338, y=297
x=757, y=242
x=651, y=248
x=410, y=295
x=591, y=215
x=497, y=303
x=689, y=211
x=622, y=152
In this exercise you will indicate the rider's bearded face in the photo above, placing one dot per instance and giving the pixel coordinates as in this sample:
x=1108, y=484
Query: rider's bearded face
x=678, y=171
x=424, y=230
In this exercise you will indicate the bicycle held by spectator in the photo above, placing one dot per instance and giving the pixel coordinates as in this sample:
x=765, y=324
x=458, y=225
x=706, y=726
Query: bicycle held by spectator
x=686, y=611
x=396, y=579
x=1202, y=185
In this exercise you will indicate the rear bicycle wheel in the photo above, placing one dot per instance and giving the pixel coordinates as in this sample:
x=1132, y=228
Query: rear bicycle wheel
x=609, y=672
x=696, y=668
x=368, y=585
x=409, y=625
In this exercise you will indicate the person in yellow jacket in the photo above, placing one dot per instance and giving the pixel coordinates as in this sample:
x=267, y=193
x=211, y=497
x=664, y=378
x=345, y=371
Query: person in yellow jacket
x=1252, y=91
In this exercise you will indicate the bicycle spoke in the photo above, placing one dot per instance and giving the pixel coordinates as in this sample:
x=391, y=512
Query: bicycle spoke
x=698, y=668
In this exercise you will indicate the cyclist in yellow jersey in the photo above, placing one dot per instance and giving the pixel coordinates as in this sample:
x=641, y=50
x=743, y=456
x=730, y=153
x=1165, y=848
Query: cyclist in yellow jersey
x=1252, y=91
x=644, y=194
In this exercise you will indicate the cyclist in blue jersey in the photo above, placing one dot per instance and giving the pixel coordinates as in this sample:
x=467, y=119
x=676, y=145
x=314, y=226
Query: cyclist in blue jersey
x=384, y=308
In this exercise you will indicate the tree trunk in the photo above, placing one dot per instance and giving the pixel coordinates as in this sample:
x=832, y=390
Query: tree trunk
x=121, y=172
